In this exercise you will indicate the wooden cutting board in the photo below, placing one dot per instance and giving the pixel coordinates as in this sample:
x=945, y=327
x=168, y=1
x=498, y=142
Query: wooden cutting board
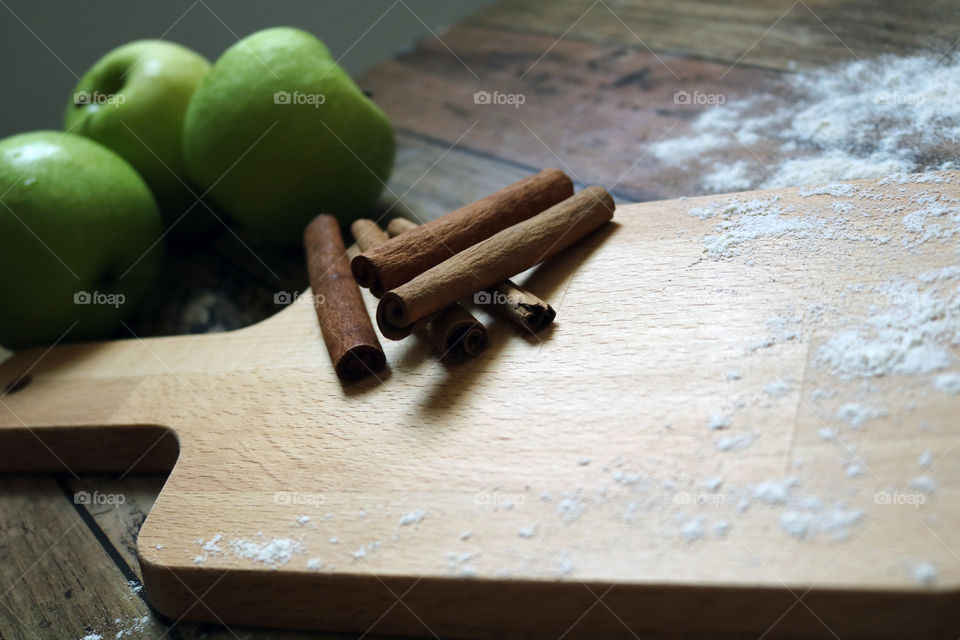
x=566, y=484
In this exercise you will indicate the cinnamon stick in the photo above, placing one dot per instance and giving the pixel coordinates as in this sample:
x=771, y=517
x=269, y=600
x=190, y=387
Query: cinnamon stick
x=400, y=225
x=347, y=330
x=518, y=305
x=500, y=256
x=454, y=332
x=522, y=307
x=405, y=257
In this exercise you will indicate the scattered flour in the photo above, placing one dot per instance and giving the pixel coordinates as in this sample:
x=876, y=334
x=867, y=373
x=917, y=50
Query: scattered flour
x=713, y=484
x=856, y=414
x=812, y=520
x=925, y=573
x=457, y=563
x=854, y=470
x=527, y=532
x=212, y=545
x=693, y=528
x=571, y=507
x=274, y=551
x=925, y=459
x=412, y=517
x=924, y=484
x=721, y=528
x=719, y=421
x=777, y=389
x=737, y=442
x=314, y=564
x=774, y=491
x=949, y=382
x=861, y=119
x=911, y=334
x=133, y=627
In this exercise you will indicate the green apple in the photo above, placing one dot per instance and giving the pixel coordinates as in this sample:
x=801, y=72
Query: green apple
x=278, y=132
x=79, y=239
x=133, y=101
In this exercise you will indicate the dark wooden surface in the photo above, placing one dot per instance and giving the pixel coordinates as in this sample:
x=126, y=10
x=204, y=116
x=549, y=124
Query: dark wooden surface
x=598, y=80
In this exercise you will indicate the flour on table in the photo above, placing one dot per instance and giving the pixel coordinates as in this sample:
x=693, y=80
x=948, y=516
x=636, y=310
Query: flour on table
x=571, y=507
x=131, y=628
x=713, y=484
x=924, y=484
x=457, y=563
x=854, y=470
x=925, y=573
x=855, y=414
x=412, y=517
x=949, y=382
x=911, y=334
x=693, y=528
x=274, y=551
x=777, y=389
x=774, y=491
x=719, y=421
x=821, y=126
x=736, y=442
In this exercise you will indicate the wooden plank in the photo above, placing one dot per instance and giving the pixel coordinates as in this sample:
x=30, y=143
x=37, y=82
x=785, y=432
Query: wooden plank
x=117, y=508
x=590, y=109
x=576, y=480
x=773, y=34
x=432, y=178
x=57, y=581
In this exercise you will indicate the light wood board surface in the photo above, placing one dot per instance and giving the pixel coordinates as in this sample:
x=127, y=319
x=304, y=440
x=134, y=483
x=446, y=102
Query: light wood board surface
x=560, y=483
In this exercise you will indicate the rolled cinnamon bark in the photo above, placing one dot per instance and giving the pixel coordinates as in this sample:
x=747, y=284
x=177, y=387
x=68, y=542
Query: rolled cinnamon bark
x=454, y=332
x=400, y=225
x=403, y=258
x=347, y=330
x=518, y=305
x=487, y=263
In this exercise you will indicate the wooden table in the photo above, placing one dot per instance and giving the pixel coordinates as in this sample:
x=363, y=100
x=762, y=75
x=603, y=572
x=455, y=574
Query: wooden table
x=598, y=81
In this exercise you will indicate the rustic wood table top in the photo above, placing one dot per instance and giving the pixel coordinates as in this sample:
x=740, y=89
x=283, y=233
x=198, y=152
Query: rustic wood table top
x=605, y=73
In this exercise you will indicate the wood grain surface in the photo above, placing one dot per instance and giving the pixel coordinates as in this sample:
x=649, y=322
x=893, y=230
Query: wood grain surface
x=222, y=285
x=574, y=459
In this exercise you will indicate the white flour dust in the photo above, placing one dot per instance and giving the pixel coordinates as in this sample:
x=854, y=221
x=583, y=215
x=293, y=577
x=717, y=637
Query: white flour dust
x=862, y=119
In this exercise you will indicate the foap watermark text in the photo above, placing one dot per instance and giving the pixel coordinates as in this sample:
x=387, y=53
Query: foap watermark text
x=95, y=297
x=297, y=97
x=511, y=99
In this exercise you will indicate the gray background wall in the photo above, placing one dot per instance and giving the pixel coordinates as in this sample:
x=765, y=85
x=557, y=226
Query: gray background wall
x=44, y=44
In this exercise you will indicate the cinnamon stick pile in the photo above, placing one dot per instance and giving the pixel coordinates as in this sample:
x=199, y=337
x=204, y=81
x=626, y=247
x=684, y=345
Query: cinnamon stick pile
x=422, y=274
